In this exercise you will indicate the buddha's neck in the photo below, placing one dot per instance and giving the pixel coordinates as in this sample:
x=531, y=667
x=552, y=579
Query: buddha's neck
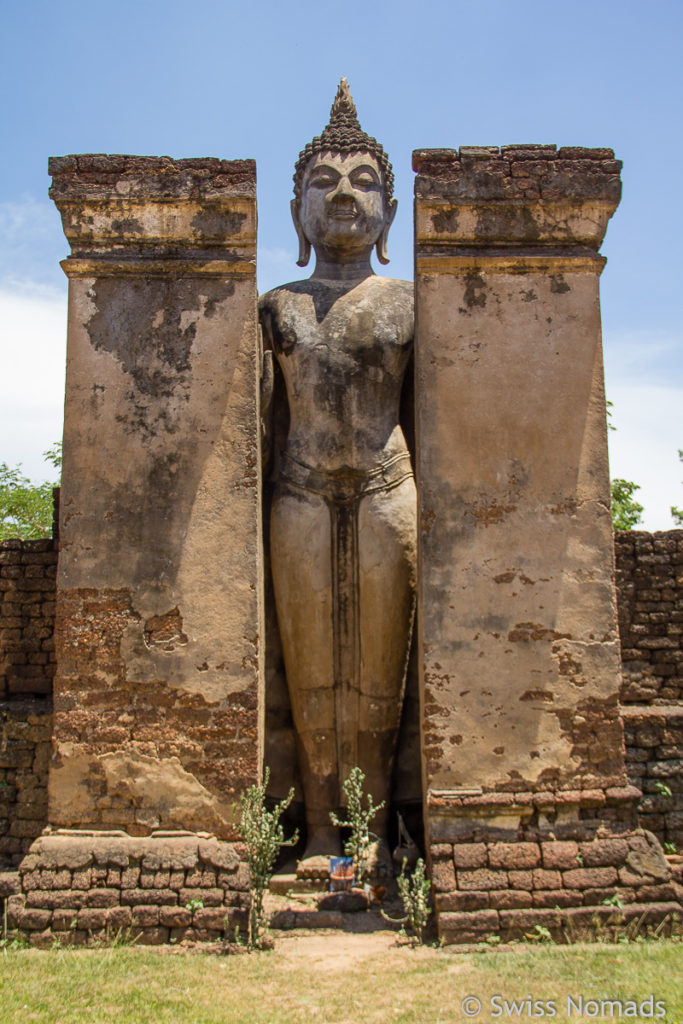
x=351, y=271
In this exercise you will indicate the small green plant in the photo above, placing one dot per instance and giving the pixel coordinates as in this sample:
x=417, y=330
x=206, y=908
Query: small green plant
x=12, y=945
x=116, y=938
x=358, y=820
x=613, y=901
x=414, y=892
x=670, y=848
x=579, y=859
x=540, y=934
x=662, y=788
x=264, y=835
x=194, y=904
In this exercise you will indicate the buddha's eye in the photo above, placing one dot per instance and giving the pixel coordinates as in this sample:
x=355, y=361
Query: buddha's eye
x=323, y=179
x=364, y=180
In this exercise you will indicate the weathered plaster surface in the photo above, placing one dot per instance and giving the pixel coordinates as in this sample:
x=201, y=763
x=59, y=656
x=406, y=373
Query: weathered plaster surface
x=159, y=618
x=519, y=647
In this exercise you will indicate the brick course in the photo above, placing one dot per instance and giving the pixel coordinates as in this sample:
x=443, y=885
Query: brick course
x=53, y=903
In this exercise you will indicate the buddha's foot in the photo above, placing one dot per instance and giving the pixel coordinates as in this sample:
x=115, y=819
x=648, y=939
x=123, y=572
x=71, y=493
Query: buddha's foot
x=379, y=863
x=317, y=866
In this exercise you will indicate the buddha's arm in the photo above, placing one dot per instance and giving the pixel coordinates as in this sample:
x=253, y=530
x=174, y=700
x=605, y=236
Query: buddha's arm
x=267, y=383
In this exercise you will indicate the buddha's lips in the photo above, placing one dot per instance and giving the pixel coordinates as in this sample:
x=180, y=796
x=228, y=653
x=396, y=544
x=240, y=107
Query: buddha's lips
x=342, y=214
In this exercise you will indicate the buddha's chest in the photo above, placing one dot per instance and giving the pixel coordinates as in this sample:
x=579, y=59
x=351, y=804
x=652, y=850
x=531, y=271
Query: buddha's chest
x=341, y=340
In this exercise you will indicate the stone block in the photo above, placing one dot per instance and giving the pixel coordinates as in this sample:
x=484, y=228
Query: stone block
x=557, y=898
x=141, y=897
x=33, y=919
x=58, y=899
x=146, y=916
x=461, y=900
x=470, y=855
x=482, y=879
x=560, y=855
x=9, y=884
x=208, y=897
x=521, y=880
x=443, y=876
x=510, y=899
x=102, y=898
x=515, y=856
x=64, y=920
x=175, y=917
x=459, y=924
x=218, y=855
x=210, y=917
x=589, y=878
x=93, y=918
x=546, y=879
x=152, y=936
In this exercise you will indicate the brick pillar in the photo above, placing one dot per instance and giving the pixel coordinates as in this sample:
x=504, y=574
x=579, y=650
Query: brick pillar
x=159, y=620
x=519, y=650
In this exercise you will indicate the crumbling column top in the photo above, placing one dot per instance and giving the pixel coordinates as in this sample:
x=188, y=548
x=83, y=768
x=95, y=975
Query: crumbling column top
x=151, y=177
x=520, y=196
x=146, y=215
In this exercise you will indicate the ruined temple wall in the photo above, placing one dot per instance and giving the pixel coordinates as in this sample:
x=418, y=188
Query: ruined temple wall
x=654, y=759
x=28, y=572
x=27, y=667
x=25, y=750
x=77, y=888
x=650, y=603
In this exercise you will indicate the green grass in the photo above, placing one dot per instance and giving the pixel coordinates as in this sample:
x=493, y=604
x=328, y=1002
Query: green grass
x=292, y=986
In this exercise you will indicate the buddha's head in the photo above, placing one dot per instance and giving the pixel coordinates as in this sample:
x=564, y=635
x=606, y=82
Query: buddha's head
x=343, y=189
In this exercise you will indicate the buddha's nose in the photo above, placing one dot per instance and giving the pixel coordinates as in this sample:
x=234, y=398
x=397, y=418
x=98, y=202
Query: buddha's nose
x=343, y=189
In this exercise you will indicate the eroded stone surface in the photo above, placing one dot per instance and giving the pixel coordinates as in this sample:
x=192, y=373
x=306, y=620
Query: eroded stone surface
x=159, y=629
x=520, y=654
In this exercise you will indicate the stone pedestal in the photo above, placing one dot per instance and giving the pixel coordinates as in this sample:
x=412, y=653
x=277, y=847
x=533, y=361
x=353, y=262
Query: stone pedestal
x=519, y=649
x=159, y=621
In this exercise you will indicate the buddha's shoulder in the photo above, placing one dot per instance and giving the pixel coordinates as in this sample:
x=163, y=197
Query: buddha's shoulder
x=283, y=292
x=392, y=288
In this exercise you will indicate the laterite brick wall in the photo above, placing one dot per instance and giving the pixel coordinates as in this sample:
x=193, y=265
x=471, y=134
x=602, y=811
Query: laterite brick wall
x=650, y=604
x=27, y=667
x=650, y=600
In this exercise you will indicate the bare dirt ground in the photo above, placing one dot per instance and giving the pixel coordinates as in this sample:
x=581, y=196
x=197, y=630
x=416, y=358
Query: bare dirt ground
x=336, y=950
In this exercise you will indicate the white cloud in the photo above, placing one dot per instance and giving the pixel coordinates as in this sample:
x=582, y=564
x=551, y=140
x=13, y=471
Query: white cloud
x=33, y=358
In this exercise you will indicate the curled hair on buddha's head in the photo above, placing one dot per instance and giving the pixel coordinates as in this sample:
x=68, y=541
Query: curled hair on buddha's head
x=343, y=135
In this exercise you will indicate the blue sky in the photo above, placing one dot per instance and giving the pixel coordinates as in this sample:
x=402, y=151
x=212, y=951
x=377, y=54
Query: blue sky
x=256, y=80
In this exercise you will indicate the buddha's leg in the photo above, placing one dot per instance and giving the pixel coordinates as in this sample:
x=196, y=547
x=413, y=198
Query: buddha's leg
x=387, y=541
x=300, y=540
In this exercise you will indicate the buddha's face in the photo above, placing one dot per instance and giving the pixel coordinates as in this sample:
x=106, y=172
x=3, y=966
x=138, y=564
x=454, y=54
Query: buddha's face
x=342, y=202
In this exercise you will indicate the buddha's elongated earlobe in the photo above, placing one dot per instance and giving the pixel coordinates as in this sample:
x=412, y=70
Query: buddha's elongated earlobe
x=304, y=244
x=381, y=244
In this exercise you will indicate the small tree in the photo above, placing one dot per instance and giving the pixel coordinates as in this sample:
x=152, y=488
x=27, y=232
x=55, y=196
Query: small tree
x=626, y=511
x=264, y=836
x=358, y=820
x=414, y=892
x=25, y=507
